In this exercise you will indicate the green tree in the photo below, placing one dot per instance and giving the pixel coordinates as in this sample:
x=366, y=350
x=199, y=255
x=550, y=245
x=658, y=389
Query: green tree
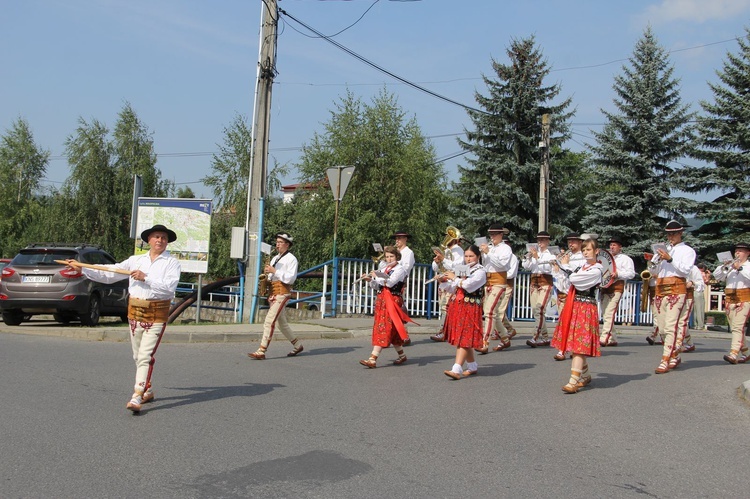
x=23, y=165
x=724, y=143
x=635, y=151
x=90, y=187
x=185, y=192
x=501, y=181
x=397, y=184
x=132, y=147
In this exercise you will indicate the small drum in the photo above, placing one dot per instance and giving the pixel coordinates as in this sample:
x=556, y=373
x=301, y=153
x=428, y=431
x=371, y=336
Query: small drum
x=608, y=262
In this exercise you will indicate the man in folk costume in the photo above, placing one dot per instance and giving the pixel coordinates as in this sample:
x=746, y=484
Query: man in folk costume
x=671, y=293
x=281, y=273
x=695, y=288
x=610, y=296
x=539, y=262
x=512, y=274
x=737, y=299
x=401, y=237
x=454, y=254
x=496, y=258
x=153, y=282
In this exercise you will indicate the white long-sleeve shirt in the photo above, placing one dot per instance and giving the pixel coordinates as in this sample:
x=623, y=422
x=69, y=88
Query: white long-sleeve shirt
x=587, y=276
x=407, y=259
x=286, y=268
x=683, y=259
x=476, y=279
x=457, y=258
x=625, y=267
x=497, y=259
x=539, y=265
x=696, y=277
x=397, y=274
x=162, y=275
x=736, y=279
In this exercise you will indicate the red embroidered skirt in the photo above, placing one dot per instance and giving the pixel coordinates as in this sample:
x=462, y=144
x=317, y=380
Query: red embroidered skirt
x=384, y=332
x=463, y=321
x=581, y=336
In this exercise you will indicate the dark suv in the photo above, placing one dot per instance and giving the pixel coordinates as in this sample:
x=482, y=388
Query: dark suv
x=32, y=283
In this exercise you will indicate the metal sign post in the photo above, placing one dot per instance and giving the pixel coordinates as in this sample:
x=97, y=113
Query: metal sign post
x=339, y=178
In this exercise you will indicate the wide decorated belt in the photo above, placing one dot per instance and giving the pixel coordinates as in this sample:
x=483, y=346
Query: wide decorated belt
x=734, y=295
x=666, y=286
x=154, y=311
x=616, y=287
x=497, y=278
x=279, y=288
x=541, y=280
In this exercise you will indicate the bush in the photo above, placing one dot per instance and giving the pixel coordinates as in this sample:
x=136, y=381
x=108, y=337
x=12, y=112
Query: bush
x=720, y=318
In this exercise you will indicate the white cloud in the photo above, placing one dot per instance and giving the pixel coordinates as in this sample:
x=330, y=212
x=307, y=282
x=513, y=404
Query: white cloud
x=697, y=11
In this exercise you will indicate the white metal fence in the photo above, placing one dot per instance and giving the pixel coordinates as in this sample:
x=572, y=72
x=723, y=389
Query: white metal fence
x=357, y=298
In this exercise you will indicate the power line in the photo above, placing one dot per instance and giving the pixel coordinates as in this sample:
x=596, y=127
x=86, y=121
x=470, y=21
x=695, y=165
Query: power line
x=380, y=68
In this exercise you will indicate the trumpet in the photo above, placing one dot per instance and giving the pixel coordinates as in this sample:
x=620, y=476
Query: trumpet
x=729, y=265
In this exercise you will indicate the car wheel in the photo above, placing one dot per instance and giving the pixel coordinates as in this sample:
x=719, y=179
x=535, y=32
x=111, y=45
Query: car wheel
x=91, y=316
x=63, y=318
x=12, y=317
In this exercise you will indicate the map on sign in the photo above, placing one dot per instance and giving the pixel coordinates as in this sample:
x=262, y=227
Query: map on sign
x=190, y=219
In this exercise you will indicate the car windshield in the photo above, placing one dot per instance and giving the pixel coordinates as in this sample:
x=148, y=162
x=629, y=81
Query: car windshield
x=38, y=256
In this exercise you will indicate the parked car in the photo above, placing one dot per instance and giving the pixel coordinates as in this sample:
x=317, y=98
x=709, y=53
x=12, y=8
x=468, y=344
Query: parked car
x=3, y=263
x=33, y=283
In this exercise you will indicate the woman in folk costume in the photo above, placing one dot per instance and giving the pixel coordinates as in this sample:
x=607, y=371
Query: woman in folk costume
x=577, y=330
x=388, y=328
x=463, y=323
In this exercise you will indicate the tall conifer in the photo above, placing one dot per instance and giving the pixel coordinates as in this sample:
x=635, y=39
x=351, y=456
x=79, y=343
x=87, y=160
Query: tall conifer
x=634, y=154
x=724, y=143
x=501, y=181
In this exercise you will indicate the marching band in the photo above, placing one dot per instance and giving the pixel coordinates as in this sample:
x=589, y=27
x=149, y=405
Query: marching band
x=475, y=286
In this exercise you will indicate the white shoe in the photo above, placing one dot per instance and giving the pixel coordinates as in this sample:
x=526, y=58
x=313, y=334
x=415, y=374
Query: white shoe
x=135, y=403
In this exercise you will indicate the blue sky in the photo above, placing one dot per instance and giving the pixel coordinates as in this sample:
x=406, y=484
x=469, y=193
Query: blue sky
x=187, y=67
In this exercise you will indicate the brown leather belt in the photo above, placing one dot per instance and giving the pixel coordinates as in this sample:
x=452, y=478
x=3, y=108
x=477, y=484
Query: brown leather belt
x=541, y=280
x=511, y=282
x=666, y=286
x=734, y=295
x=617, y=287
x=154, y=311
x=497, y=278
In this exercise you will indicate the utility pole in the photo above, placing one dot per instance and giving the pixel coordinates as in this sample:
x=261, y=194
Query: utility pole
x=258, y=179
x=544, y=175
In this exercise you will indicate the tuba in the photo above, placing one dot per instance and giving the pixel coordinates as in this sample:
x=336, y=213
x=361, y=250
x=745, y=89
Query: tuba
x=451, y=233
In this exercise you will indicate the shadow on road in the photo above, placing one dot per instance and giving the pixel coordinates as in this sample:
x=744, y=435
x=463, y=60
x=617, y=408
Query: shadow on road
x=199, y=394
x=607, y=380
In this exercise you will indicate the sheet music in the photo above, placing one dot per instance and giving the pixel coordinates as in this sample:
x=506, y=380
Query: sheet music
x=265, y=248
x=724, y=256
x=480, y=241
x=377, y=247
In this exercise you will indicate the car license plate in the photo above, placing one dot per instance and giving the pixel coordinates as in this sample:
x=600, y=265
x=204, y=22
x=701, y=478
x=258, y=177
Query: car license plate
x=36, y=278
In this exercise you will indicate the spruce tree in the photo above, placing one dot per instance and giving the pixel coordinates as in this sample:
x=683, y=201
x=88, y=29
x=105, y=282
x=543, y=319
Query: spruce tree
x=724, y=143
x=635, y=152
x=501, y=181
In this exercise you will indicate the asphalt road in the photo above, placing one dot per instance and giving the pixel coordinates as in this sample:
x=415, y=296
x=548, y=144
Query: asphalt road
x=321, y=425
